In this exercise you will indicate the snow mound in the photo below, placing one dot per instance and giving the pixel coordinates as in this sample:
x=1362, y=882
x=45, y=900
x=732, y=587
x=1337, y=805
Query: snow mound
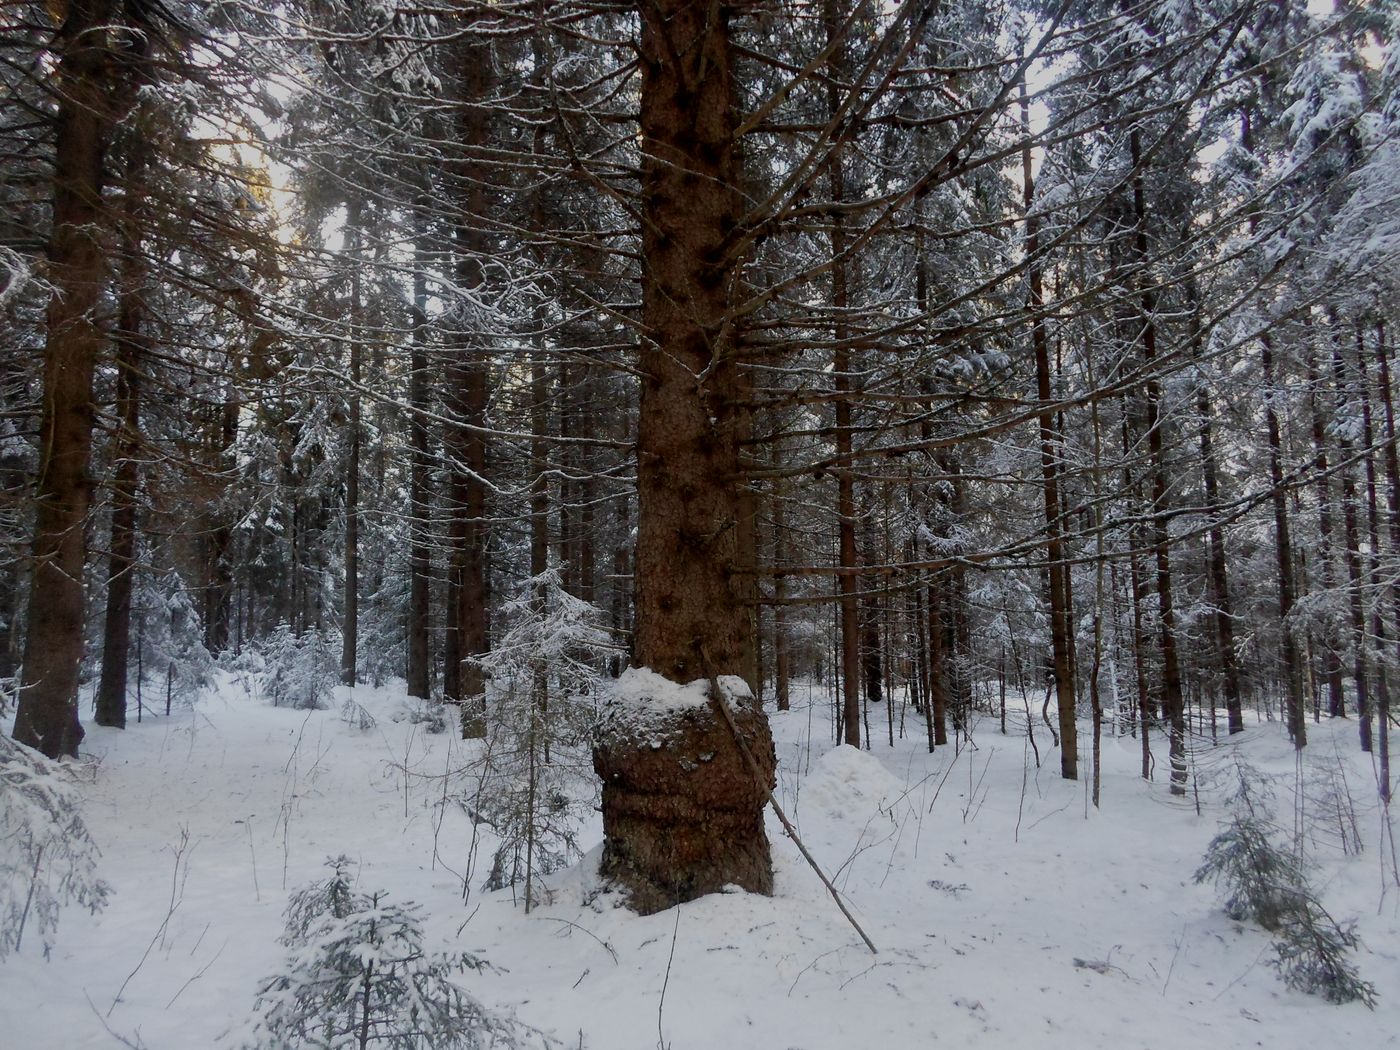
x=847, y=781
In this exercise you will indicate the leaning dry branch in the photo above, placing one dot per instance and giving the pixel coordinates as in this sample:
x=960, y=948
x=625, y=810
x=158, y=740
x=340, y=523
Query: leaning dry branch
x=717, y=699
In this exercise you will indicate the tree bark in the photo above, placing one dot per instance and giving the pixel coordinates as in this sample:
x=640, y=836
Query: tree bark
x=1392, y=491
x=685, y=818
x=47, y=714
x=1331, y=655
x=130, y=339
x=1219, y=574
x=469, y=391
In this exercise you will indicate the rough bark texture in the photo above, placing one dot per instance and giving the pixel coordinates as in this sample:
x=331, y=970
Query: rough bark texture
x=47, y=715
x=682, y=809
x=678, y=825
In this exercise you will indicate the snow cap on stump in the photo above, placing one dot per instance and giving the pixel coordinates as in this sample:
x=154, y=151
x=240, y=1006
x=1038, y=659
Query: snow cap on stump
x=682, y=807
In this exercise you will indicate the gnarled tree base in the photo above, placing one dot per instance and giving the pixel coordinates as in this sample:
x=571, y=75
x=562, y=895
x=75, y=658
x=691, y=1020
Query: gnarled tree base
x=682, y=809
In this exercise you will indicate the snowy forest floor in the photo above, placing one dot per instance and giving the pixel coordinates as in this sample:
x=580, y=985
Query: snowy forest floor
x=1007, y=910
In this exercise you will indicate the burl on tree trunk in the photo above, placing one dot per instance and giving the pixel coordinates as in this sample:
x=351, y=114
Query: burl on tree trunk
x=682, y=807
x=681, y=804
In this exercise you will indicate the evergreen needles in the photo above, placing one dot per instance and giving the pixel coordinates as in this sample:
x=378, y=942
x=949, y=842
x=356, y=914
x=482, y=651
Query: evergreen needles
x=357, y=976
x=1264, y=883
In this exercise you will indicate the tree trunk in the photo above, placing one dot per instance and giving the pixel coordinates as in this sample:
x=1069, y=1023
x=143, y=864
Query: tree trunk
x=419, y=673
x=1173, y=706
x=1287, y=587
x=1331, y=655
x=1352, y=557
x=1392, y=490
x=130, y=340
x=350, y=622
x=685, y=818
x=1219, y=574
x=469, y=392
x=782, y=650
x=47, y=715
x=847, y=583
x=1061, y=631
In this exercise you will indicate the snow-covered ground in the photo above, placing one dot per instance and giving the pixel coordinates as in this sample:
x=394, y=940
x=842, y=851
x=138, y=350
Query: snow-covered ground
x=1007, y=911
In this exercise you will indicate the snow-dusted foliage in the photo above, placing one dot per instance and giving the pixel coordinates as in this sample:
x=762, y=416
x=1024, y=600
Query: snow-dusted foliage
x=545, y=677
x=47, y=857
x=1311, y=955
x=171, y=636
x=357, y=976
x=1266, y=882
x=1262, y=881
x=299, y=670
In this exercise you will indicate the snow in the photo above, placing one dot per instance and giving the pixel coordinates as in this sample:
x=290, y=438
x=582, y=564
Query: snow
x=1008, y=911
x=643, y=705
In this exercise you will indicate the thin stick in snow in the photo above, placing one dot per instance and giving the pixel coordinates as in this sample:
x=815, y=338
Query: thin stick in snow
x=717, y=699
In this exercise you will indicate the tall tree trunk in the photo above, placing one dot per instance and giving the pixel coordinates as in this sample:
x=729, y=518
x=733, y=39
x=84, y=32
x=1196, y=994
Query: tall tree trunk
x=782, y=650
x=1138, y=586
x=1356, y=585
x=1392, y=490
x=847, y=581
x=1331, y=656
x=130, y=339
x=678, y=826
x=47, y=715
x=350, y=622
x=469, y=392
x=1381, y=695
x=1224, y=618
x=419, y=670
x=1061, y=632
x=937, y=661
x=1287, y=587
x=1173, y=706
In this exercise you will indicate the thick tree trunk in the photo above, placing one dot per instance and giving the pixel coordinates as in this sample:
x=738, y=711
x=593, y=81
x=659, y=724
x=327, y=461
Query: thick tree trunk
x=47, y=715
x=847, y=583
x=937, y=663
x=685, y=818
x=1381, y=694
x=1352, y=556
